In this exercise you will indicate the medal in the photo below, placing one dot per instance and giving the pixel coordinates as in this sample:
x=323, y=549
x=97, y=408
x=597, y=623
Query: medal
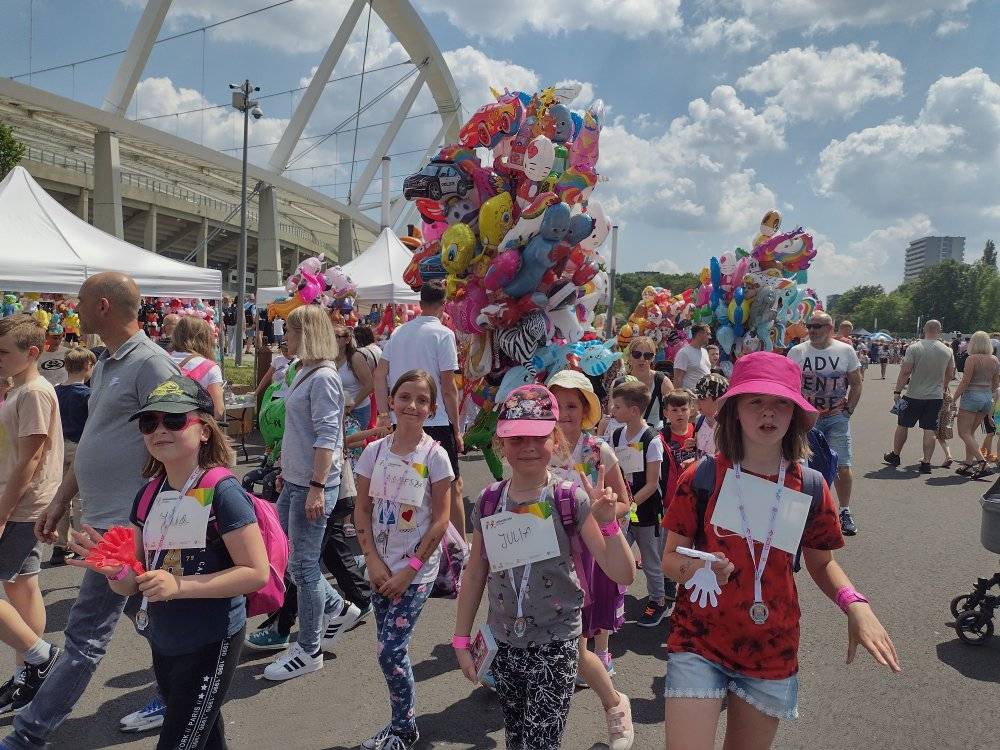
x=520, y=627
x=142, y=618
x=758, y=613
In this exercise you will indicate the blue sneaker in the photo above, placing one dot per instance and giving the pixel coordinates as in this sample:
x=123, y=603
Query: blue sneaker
x=266, y=639
x=146, y=718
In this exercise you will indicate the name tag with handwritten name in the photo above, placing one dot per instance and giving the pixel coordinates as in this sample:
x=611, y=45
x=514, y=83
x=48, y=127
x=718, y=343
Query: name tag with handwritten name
x=515, y=539
x=183, y=521
x=401, y=482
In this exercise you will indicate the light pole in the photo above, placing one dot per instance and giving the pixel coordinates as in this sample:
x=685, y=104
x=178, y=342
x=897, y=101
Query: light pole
x=248, y=106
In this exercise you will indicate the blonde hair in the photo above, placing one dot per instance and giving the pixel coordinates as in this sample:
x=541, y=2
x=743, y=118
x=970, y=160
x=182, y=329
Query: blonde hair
x=79, y=358
x=214, y=452
x=26, y=331
x=192, y=335
x=318, y=342
x=980, y=343
x=632, y=344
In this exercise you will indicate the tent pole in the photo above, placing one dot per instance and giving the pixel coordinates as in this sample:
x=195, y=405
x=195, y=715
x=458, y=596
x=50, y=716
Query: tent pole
x=612, y=276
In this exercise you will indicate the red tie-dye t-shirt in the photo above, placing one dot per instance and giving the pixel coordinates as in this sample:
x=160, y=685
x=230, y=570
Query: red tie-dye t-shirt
x=726, y=635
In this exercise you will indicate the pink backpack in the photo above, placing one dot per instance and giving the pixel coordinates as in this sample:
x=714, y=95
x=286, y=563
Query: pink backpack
x=270, y=597
x=197, y=372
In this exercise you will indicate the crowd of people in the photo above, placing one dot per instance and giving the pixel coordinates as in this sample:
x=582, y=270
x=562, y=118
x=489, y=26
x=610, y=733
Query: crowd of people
x=639, y=469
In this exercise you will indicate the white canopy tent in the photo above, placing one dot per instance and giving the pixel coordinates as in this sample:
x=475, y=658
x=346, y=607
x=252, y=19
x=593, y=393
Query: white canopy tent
x=265, y=295
x=46, y=248
x=378, y=272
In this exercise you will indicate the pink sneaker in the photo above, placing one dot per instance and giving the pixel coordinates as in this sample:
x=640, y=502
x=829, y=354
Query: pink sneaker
x=621, y=734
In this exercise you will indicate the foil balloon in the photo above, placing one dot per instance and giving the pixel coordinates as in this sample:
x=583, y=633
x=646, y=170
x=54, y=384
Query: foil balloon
x=496, y=217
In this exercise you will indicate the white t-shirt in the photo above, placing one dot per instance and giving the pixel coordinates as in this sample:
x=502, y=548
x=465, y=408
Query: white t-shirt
x=824, y=373
x=654, y=451
x=278, y=326
x=694, y=362
x=398, y=527
x=424, y=343
x=212, y=375
x=705, y=438
x=52, y=366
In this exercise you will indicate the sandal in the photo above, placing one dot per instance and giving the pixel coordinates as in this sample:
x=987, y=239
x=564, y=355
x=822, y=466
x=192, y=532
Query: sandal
x=964, y=468
x=947, y=464
x=982, y=469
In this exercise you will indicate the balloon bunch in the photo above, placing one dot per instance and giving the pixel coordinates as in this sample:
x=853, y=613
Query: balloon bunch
x=662, y=316
x=312, y=284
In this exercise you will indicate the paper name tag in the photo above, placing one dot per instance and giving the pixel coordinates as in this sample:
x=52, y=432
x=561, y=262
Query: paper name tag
x=758, y=499
x=401, y=482
x=183, y=521
x=515, y=539
x=630, y=458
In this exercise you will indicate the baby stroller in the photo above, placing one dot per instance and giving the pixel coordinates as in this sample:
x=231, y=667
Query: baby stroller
x=973, y=612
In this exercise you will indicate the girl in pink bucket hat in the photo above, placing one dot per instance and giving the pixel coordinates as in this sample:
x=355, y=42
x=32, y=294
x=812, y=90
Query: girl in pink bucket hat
x=737, y=634
x=526, y=550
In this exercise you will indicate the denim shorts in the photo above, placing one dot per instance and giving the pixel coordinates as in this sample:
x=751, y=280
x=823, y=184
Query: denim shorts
x=836, y=428
x=692, y=676
x=976, y=401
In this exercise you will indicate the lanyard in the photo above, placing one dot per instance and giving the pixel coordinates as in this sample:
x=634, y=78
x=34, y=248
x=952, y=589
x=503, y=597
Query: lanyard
x=520, y=626
x=765, y=551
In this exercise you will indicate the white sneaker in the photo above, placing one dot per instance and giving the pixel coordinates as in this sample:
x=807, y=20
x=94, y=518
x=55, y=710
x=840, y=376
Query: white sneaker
x=295, y=662
x=339, y=624
x=621, y=734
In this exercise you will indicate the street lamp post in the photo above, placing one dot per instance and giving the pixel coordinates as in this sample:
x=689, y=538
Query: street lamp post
x=248, y=106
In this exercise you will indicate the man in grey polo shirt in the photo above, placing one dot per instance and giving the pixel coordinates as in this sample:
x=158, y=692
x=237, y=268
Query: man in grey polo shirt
x=107, y=473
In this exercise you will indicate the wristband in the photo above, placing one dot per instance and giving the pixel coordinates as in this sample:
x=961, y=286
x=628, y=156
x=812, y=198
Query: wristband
x=460, y=642
x=847, y=596
x=317, y=485
x=611, y=529
x=416, y=563
x=121, y=575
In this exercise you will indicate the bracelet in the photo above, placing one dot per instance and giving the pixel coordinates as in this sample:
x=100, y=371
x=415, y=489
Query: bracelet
x=846, y=596
x=121, y=575
x=317, y=485
x=416, y=563
x=611, y=529
x=460, y=642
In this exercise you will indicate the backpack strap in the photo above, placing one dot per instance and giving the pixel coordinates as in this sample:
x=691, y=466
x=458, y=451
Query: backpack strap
x=149, y=493
x=812, y=485
x=490, y=499
x=698, y=423
x=199, y=371
x=657, y=393
x=703, y=486
x=565, y=497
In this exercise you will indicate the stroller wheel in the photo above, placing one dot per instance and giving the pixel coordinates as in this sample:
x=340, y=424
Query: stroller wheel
x=959, y=605
x=974, y=628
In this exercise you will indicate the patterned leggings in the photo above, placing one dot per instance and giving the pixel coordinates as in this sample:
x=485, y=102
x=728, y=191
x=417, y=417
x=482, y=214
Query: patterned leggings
x=535, y=685
x=394, y=620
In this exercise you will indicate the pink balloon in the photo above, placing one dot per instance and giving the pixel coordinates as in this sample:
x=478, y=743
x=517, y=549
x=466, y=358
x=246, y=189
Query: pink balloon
x=465, y=311
x=432, y=231
x=503, y=270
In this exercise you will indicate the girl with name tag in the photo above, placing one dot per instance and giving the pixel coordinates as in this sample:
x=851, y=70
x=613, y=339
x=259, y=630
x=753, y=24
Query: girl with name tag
x=401, y=514
x=524, y=549
x=747, y=645
x=579, y=413
x=202, y=550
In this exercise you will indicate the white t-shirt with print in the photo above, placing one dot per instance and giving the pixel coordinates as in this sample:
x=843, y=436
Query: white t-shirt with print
x=398, y=527
x=52, y=365
x=824, y=373
x=654, y=451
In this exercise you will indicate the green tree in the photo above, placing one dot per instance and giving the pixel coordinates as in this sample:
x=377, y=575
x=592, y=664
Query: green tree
x=629, y=286
x=950, y=292
x=11, y=150
x=852, y=298
x=989, y=254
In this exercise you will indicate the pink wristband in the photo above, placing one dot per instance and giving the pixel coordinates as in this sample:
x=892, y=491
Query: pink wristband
x=121, y=575
x=611, y=529
x=460, y=642
x=416, y=563
x=846, y=596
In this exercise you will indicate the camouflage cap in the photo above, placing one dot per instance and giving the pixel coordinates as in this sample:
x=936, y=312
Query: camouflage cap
x=177, y=395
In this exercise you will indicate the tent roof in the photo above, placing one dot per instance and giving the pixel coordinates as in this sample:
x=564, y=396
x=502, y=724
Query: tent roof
x=378, y=271
x=45, y=248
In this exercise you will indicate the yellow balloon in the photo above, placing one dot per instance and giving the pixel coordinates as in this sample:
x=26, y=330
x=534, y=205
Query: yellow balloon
x=496, y=217
x=458, y=247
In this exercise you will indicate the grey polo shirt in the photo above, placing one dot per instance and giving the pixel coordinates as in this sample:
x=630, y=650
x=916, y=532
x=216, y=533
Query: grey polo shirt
x=111, y=453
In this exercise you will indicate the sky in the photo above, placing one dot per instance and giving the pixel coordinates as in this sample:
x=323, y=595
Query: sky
x=870, y=124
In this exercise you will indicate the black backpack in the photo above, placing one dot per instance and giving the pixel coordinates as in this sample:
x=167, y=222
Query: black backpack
x=647, y=436
x=704, y=485
x=229, y=315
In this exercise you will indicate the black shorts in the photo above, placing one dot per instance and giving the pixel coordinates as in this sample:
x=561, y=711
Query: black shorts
x=920, y=410
x=989, y=425
x=445, y=434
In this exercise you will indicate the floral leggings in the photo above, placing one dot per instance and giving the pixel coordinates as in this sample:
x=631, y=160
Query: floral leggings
x=534, y=686
x=394, y=620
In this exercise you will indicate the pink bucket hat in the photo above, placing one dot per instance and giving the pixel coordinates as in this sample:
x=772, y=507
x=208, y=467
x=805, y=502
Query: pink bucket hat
x=770, y=374
x=529, y=411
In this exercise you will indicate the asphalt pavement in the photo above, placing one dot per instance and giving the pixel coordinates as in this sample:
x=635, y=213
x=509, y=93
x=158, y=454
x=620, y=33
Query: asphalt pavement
x=918, y=547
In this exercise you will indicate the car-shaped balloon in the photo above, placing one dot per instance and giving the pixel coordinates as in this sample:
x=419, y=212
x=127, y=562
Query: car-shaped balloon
x=439, y=179
x=491, y=123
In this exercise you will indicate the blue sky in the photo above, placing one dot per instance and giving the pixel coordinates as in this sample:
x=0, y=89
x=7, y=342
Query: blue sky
x=869, y=123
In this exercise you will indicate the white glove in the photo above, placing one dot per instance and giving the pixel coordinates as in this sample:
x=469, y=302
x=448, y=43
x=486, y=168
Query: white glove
x=705, y=586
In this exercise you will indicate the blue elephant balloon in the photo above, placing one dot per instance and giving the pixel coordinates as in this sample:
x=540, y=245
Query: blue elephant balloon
x=535, y=259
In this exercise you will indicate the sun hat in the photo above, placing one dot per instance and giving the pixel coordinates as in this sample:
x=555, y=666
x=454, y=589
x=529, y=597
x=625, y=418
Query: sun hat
x=712, y=385
x=528, y=411
x=770, y=374
x=574, y=380
x=177, y=395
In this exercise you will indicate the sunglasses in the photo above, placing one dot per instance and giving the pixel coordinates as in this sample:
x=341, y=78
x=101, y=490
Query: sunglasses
x=150, y=421
x=343, y=335
x=648, y=356
x=816, y=326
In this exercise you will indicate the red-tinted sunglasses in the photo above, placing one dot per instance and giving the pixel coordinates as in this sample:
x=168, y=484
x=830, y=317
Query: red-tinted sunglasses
x=150, y=421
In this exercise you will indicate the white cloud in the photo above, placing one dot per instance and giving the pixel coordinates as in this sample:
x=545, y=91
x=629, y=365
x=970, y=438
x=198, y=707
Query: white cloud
x=739, y=34
x=811, y=84
x=474, y=74
x=632, y=18
x=946, y=28
x=664, y=266
x=944, y=163
x=876, y=258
